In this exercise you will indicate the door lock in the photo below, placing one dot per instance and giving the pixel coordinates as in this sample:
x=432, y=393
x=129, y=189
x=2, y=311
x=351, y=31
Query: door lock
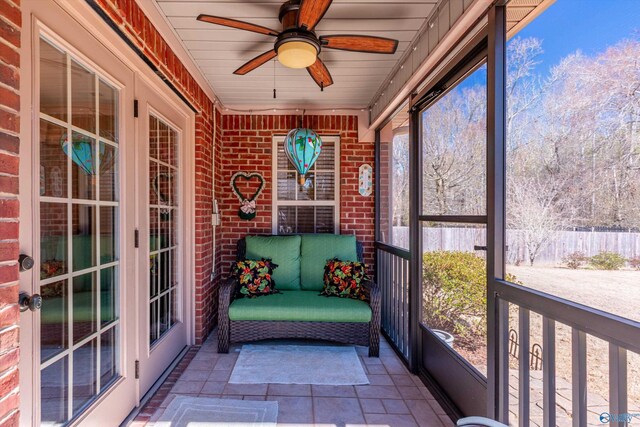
x=25, y=262
x=26, y=302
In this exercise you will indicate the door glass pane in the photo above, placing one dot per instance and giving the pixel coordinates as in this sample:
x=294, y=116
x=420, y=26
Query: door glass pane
x=83, y=97
x=53, y=161
x=82, y=151
x=154, y=231
x=79, y=231
x=454, y=288
x=84, y=236
x=453, y=136
x=163, y=222
x=108, y=109
x=53, y=81
x=108, y=295
x=54, y=392
x=153, y=321
x=53, y=319
x=108, y=159
x=108, y=370
x=84, y=375
x=53, y=239
x=108, y=234
x=163, y=142
x=84, y=306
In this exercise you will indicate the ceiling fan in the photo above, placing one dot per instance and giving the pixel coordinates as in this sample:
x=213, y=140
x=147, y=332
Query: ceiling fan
x=297, y=45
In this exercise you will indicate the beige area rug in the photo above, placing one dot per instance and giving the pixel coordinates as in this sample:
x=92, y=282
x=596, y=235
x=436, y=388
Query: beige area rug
x=186, y=411
x=298, y=364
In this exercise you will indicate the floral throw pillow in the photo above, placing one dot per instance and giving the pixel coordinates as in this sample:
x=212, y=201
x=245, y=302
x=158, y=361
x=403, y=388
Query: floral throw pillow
x=345, y=279
x=255, y=277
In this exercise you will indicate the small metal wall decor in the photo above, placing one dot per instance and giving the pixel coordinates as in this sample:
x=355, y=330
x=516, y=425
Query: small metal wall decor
x=365, y=180
x=303, y=147
x=247, y=209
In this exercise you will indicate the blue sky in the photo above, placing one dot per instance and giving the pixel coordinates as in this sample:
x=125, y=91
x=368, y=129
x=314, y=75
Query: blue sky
x=570, y=25
x=586, y=25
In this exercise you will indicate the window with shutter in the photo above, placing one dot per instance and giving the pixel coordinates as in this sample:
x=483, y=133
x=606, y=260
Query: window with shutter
x=314, y=206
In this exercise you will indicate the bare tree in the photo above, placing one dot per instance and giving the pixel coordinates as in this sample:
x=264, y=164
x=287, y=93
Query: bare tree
x=532, y=212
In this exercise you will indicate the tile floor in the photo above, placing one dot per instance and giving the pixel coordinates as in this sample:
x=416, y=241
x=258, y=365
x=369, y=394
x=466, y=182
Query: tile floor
x=393, y=398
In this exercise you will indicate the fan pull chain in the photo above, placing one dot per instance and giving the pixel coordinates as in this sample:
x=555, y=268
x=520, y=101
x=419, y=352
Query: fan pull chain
x=274, y=79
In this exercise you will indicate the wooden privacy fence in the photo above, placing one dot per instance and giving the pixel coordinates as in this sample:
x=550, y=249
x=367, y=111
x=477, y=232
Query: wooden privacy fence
x=559, y=245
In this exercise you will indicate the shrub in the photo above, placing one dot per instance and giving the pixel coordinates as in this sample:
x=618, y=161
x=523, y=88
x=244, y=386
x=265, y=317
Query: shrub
x=575, y=260
x=455, y=293
x=634, y=263
x=607, y=261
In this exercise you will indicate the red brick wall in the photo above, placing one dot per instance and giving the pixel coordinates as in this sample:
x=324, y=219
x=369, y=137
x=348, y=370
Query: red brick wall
x=138, y=29
x=10, y=26
x=246, y=145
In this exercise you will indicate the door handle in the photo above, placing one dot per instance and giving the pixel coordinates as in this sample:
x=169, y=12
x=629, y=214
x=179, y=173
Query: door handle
x=27, y=302
x=479, y=248
x=25, y=262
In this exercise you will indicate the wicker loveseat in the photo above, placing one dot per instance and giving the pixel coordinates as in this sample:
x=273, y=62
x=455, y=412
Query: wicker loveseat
x=298, y=311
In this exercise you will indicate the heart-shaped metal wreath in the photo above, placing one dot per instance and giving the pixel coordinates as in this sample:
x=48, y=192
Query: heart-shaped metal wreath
x=248, y=204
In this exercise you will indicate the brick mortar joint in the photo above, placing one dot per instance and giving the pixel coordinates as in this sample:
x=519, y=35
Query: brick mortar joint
x=11, y=2
x=9, y=415
x=3, y=18
x=9, y=329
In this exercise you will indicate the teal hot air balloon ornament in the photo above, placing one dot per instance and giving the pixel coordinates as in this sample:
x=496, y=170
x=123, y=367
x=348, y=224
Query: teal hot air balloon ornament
x=303, y=147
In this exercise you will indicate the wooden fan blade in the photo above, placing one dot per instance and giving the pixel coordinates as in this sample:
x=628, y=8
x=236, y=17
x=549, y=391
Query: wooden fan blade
x=240, y=25
x=319, y=73
x=256, y=62
x=356, y=43
x=311, y=12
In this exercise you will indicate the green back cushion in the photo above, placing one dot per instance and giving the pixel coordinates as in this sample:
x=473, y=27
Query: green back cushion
x=316, y=249
x=283, y=251
x=300, y=306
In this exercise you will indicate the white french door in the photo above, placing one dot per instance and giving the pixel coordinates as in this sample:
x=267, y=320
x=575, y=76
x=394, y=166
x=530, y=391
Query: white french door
x=115, y=310
x=163, y=299
x=77, y=351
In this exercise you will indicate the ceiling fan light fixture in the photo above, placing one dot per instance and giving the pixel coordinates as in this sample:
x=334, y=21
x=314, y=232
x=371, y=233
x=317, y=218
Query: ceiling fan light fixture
x=297, y=54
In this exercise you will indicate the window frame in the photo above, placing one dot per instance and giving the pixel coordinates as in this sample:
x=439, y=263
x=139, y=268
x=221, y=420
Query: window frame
x=335, y=203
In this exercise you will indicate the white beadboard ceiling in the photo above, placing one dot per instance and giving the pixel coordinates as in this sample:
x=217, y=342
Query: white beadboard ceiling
x=218, y=51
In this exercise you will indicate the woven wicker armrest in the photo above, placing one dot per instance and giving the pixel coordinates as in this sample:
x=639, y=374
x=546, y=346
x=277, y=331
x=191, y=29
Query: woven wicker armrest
x=375, y=302
x=227, y=292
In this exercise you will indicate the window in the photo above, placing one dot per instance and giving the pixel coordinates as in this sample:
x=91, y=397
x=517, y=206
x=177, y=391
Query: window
x=394, y=180
x=314, y=206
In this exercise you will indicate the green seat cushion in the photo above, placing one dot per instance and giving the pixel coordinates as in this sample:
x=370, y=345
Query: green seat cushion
x=283, y=251
x=316, y=249
x=300, y=306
